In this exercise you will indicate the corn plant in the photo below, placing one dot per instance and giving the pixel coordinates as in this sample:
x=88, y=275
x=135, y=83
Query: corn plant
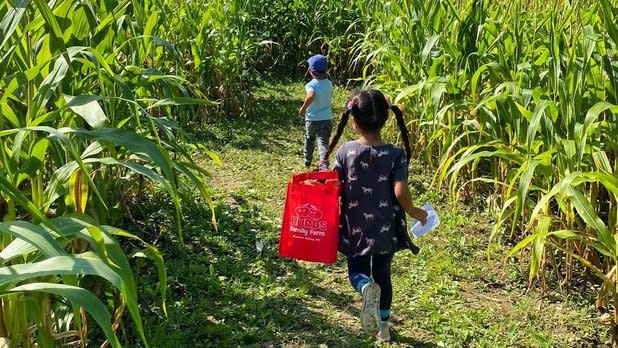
x=515, y=102
x=85, y=100
x=224, y=46
x=297, y=29
x=216, y=46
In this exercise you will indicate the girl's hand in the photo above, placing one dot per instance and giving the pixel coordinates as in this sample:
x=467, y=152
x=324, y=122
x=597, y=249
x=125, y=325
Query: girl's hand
x=421, y=215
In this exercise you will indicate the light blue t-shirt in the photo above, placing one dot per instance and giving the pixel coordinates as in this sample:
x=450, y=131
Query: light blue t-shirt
x=320, y=108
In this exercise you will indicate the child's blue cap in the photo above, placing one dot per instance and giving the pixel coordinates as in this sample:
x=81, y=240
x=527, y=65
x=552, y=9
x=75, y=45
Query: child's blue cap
x=318, y=63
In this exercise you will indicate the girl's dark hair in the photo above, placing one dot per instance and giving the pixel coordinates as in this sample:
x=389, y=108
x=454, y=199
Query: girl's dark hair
x=370, y=111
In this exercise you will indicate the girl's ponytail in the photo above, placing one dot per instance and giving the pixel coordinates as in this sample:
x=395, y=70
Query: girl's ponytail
x=403, y=129
x=340, y=127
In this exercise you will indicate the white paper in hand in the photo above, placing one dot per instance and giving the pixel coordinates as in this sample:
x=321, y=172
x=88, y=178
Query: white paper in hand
x=433, y=221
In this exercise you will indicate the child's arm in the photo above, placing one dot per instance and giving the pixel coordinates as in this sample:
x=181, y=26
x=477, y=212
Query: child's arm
x=404, y=196
x=308, y=100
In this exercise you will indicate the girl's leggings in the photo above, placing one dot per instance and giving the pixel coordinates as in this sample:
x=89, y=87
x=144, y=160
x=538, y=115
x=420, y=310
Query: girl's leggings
x=378, y=266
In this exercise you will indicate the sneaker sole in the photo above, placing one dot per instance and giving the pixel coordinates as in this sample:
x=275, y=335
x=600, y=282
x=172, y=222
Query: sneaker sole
x=385, y=338
x=370, y=317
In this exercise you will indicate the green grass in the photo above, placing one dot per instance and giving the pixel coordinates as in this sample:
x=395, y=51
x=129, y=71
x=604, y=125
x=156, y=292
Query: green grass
x=224, y=292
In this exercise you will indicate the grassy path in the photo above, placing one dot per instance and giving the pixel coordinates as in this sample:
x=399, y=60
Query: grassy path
x=230, y=289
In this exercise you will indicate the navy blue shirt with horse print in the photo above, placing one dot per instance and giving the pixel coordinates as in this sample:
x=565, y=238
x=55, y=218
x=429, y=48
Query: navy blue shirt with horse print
x=372, y=221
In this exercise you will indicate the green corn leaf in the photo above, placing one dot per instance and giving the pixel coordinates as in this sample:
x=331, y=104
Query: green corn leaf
x=33, y=235
x=68, y=227
x=82, y=298
x=18, y=247
x=48, y=87
x=539, y=112
x=125, y=271
x=524, y=112
x=88, y=108
x=609, y=20
x=80, y=21
x=558, y=188
x=145, y=149
x=181, y=101
x=601, y=161
x=522, y=244
x=10, y=21
x=566, y=234
x=133, y=142
x=505, y=213
x=409, y=92
x=592, y=114
x=431, y=42
x=93, y=149
x=608, y=180
x=154, y=255
x=500, y=153
x=77, y=226
x=50, y=19
x=59, y=133
x=13, y=192
x=59, y=265
x=524, y=185
x=538, y=246
x=97, y=236
x=61, y=176
x=590, y=217
x=475, y=79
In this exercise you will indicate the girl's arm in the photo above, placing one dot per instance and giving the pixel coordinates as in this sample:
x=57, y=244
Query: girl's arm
x=404, y=196
x=308, y=100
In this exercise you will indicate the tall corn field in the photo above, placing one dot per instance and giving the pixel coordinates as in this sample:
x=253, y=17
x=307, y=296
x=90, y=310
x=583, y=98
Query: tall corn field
x=93, y=98
x=225, y=46
x=87, y=91
x=515, y=104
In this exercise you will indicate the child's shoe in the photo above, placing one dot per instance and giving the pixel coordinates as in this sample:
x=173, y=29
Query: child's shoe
x=370, y=315
x=384, y=334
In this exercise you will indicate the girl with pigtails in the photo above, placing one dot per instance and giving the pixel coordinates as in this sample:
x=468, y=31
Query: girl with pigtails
x=375, y=199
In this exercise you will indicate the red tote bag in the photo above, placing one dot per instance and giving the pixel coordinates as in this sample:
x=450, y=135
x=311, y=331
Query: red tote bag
x=310, y=229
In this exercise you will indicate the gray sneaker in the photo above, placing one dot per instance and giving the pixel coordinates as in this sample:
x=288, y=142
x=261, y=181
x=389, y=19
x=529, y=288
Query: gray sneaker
x=370, y=315
x=384, y=334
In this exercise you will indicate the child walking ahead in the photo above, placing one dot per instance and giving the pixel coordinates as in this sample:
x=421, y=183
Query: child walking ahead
x=317, y=109
x=375, y=198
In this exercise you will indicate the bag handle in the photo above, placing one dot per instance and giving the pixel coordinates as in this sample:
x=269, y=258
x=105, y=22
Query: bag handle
x=323, y=175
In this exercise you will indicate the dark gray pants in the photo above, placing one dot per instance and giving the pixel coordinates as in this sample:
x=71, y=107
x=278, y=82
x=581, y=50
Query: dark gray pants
x=319, y=130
